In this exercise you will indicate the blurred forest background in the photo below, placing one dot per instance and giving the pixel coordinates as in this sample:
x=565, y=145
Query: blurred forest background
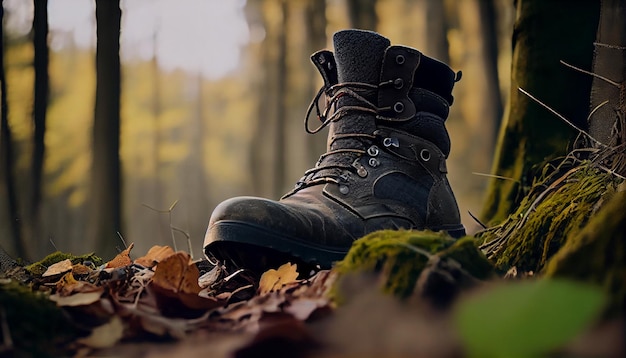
x=211, y=104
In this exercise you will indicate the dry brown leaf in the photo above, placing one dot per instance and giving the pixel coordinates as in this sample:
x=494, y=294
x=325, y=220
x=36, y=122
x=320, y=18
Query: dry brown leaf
x=80, y=269
x=155, y=255
x=272, y=280
x=122, y=259
x=178, y=274
x=303, y=308
x=68, y=285
x=176, y=278
x=106, y=335
x=77, y=299
x=58, y=268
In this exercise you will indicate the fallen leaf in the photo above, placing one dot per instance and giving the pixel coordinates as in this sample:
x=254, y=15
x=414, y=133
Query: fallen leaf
x=68, y=285
x=175, y=281
x=275, y=279
x=155, y=255
x=122, y=259
x=302, y=308
x=80, y=269
x=178, y=274
x=58, y=268
x=77, y=299
x=106, y=335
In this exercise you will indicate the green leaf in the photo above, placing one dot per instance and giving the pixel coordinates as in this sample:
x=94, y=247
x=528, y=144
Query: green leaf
x=526, y=318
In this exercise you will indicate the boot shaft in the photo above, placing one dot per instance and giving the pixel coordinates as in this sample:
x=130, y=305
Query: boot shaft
x=411, y=91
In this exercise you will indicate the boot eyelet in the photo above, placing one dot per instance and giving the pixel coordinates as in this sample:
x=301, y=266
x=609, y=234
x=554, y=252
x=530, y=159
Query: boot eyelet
x=360, y=169
x=373, y=162
x=343, y=189
x=398, y=83
x=398, y=107
x=373, y=151
x=425, y=155
x=388, y=142
x=399, y=59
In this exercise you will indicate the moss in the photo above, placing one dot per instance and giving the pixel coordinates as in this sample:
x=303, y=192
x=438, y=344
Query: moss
x=38, y=328
x=597, y=253
x=41, y=266
x=400, y=256
x=465, y=252
x=553, y=211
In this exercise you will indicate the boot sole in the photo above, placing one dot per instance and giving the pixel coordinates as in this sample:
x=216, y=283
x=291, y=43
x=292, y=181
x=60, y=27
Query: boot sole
x=238, y=242
x=259, y=248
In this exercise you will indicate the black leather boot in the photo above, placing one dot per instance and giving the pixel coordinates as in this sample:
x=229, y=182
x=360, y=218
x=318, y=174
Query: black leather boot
x=384, y=169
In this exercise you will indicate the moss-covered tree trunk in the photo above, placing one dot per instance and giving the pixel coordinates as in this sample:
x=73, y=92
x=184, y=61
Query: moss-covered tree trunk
x=571, y=223
x=545, y=33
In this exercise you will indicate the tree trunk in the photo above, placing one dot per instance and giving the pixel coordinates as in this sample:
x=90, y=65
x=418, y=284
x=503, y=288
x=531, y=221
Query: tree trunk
x=40, y=105
x=105, y=213
x=363, y=14
x=268, y=144
x=315, y=28
x=7, y=186
x=610, y=63
x=544, y=34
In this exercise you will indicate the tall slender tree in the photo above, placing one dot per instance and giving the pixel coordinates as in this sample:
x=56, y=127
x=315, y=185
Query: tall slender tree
x=40, y=105
x=7, y=186
x=105, y=211
x=315, y=27
x=363, y=14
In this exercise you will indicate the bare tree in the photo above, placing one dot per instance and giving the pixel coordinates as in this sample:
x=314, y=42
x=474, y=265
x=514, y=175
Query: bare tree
x=6, y=160
x=105, y=211
x=363, y=14
x=40, y=105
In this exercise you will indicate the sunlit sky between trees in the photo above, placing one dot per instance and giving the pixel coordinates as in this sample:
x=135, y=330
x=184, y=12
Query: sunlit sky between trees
x=195, y=35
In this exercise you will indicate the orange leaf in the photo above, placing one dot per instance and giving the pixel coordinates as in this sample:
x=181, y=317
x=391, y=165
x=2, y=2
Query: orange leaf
x=178, y=274
x=68, y=285
x=272, y=280
x=155, y=255
x=122, y=259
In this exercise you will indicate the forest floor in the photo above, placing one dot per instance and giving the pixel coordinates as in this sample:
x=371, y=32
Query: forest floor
x=164, y=305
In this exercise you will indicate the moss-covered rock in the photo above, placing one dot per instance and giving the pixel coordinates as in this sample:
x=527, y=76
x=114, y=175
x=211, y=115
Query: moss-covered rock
x=41, y=266
x=401, y=256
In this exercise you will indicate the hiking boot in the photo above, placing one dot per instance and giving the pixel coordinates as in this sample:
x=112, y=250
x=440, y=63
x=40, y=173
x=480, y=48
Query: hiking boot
x=385, y=165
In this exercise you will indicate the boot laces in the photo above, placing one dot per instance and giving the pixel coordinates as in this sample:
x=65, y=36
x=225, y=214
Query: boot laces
x=333, y=170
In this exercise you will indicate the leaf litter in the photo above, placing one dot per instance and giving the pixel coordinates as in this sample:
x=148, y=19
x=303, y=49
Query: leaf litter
x=168, y=295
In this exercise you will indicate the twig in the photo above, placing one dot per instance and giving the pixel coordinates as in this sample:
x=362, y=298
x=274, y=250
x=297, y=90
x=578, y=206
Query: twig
x=591, y=74
x=122, y=239
x=52, y=243
x=560, y=116
x=476, y=219
x=495, y=176
x=169, y=214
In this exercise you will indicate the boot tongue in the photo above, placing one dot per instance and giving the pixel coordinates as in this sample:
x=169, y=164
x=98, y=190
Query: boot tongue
x=359, y=55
